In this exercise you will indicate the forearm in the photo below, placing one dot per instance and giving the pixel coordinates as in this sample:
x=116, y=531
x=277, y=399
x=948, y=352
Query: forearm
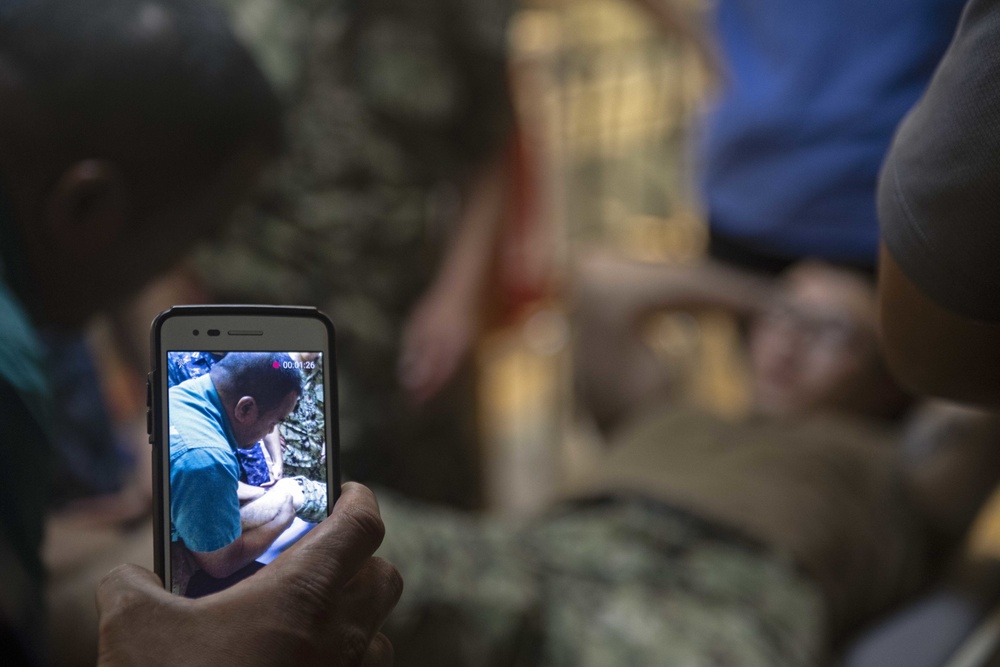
x=272, y=444
x=468, y=260
x=260, y=512
x=628, y=290
x=709, y=285
x=247, y=547
x=257, y=540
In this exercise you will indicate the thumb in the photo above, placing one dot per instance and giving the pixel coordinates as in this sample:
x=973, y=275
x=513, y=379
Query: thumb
x=126, y=585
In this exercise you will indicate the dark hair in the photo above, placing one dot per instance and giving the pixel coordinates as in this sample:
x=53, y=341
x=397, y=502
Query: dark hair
x=266, y=376
x=168, y=74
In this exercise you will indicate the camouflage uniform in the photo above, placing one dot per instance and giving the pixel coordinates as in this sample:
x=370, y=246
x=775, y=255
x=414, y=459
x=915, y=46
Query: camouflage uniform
x=314, y=501
x=302, y=451
x=392, y=102
x=617, y=582
x=696, y=541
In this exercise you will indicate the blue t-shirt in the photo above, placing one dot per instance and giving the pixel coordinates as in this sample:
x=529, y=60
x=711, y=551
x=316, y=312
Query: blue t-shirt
x=813, y=93
x=204, y=472
x=26, y=413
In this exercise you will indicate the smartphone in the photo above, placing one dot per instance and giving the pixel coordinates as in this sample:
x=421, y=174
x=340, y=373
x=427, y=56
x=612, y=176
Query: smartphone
x=243, y=422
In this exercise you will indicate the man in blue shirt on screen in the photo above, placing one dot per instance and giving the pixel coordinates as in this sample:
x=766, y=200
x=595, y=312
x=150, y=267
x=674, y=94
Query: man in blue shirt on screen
x=242, y=399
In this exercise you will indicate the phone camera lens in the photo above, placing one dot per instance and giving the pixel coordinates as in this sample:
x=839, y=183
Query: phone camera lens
x=195, y=332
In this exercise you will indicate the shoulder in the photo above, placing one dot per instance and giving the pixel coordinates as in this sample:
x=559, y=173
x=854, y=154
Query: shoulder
x=938, y=193
x=191, y=403
x=203, y=457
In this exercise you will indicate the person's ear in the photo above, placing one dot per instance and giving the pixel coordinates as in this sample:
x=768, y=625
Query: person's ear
x=87, y=209
x=246, y=410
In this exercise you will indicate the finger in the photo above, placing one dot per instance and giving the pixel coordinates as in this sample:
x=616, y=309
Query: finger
x=333, y=552
x=371, y=595
x=125, y=585
x=380, y=652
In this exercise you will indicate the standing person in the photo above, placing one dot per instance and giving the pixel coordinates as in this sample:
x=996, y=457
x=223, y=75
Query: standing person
x=384, y=214
x=808, y=99
x=128, y=130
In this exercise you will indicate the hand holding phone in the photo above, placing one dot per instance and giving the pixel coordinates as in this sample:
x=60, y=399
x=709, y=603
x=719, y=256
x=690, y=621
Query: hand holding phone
x=318, y=599
x=243, y=423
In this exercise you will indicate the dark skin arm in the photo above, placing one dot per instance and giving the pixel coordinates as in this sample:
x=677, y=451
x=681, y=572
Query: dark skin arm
x=930, y=349
x=321, y=602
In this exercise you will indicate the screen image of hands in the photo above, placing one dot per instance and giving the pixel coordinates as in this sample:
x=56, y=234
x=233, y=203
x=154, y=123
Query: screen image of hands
x=324, y=600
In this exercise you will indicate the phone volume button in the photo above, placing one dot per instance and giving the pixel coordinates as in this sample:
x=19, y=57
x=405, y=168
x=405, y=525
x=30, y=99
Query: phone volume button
x=150, y=383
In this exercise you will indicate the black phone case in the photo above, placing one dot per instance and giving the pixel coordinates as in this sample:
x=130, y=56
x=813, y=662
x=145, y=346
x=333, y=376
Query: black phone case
x=154, y=415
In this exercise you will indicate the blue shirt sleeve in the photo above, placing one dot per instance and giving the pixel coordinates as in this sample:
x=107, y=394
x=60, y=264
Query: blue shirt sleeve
x=203, y=500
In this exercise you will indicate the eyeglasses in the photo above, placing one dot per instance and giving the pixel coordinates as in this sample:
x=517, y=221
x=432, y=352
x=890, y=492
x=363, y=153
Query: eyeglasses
x=817, y=328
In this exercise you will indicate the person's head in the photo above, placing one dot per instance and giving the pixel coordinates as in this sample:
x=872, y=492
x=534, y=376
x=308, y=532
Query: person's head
x=128, y=130
x=816, y=346
x=258, y=390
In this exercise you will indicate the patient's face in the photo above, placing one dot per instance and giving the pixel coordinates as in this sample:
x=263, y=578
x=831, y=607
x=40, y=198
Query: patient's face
x=816, y=346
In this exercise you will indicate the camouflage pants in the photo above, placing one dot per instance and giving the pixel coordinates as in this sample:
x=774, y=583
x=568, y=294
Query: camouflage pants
x=314, y=501
x=615, y=583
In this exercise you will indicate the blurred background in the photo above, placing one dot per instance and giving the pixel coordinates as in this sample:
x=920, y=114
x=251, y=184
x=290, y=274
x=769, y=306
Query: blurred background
x=443, y=227
x=610, y=102
x=604, y=105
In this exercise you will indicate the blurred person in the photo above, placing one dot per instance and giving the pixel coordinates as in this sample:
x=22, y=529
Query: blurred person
x=384, y=213
x=937, y=205
x=700, y=540
x=617, y=374
x=809, y=95
x=128, y=130
x=93, y=457
x=787, y=162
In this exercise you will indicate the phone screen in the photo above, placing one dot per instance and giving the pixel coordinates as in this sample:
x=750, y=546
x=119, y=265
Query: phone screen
x=248, y=473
